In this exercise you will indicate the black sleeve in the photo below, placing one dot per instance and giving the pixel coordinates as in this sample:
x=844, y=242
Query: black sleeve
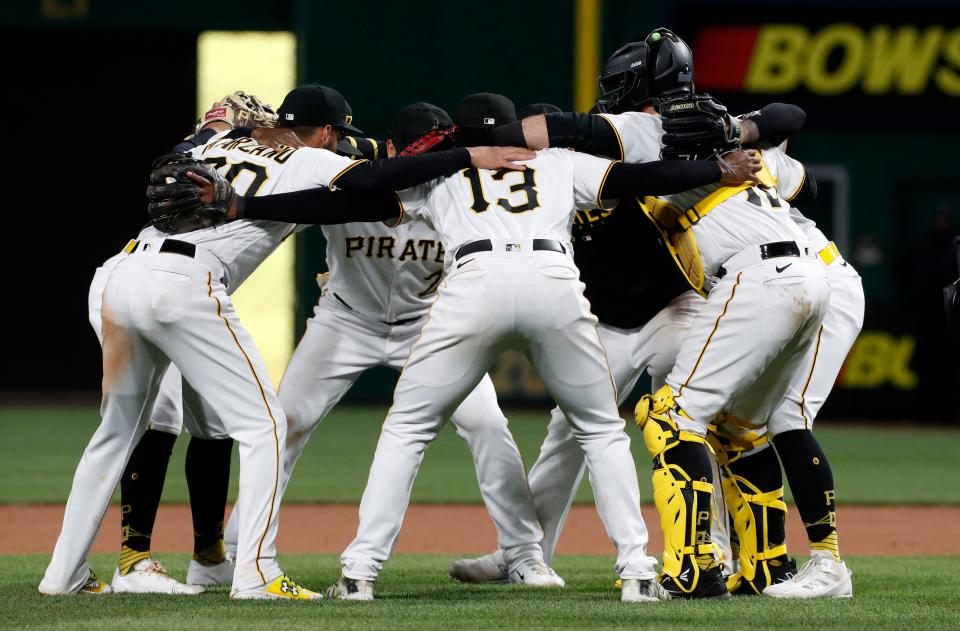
x=321, y=206
x=587, y=133
x=807, y=191
x=240, y=132
x=657, y=178
x=778, y=121
x=402, y=172
x=202, y=137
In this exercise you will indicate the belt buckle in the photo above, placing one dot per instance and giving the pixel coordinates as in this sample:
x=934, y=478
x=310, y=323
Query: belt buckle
x=512, y=247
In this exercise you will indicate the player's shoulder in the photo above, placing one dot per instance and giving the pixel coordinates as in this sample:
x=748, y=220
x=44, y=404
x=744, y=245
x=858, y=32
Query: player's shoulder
x=638, y=119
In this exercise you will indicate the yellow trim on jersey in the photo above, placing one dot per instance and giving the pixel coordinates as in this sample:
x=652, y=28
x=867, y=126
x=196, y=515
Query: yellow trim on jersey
x=403, y=212
x=352, y=165
x=674, y=224
x=130, y=246
x=829, y=254
x=376, y=148
x=603, y=181
x=803, y=178
x=623, y=155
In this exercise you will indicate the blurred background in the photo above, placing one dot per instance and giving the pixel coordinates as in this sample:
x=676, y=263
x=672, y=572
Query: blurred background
x=98, y=88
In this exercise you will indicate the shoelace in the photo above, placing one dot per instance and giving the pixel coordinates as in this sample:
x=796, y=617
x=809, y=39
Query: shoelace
x=542, y=568
x=157, y=567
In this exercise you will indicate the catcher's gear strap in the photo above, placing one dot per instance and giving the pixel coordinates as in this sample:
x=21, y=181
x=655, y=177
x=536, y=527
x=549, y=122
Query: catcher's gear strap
x=753, y=522
x=587, y=133
x=674, y=225
x=829, y=254
x=729, y=446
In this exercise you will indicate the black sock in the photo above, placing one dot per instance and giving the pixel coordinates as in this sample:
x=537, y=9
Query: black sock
x=140, y=490
x=208, y=479
x=811, y=481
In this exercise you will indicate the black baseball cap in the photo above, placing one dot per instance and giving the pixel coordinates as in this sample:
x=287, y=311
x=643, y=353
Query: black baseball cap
x=538, y=108
x=415, y=120
x=485, y=109
x=316, y=105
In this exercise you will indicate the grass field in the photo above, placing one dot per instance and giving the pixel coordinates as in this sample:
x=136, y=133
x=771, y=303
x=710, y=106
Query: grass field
x=41, y=447
x=414, y=593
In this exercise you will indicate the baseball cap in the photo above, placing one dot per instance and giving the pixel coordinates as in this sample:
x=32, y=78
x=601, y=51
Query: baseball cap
x=538, y=108
x=316, y=105
x=415, y=120
x=484, y=109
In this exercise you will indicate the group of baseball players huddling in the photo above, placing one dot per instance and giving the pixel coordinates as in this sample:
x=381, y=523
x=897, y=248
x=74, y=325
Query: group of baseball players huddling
x=638, y=237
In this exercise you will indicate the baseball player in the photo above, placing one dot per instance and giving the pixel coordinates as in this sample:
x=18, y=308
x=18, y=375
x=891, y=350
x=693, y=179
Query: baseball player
x=168, y=302
x=382, y=280
x=644, y=306
x=508, y=287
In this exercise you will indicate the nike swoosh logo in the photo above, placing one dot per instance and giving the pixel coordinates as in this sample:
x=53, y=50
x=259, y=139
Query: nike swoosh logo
x=462, y=264
x=844, y=264
x=780, y=269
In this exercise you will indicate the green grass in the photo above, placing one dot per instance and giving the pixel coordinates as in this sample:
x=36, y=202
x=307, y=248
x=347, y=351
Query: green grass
x=414, y=592
x=41, y=447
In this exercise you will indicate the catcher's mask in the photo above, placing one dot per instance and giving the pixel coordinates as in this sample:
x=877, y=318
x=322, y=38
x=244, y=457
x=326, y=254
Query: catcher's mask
x=638, y=73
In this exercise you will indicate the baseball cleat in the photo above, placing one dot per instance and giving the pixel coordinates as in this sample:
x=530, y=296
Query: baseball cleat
x=820, y=577
x=637, y=590
x=210, y=575
x=710, y=584
x=781, y=569
x=351, y=589
x=95, y=586
x=150, y=577
x=281, y=588
x=536, y=573
x=490, y=568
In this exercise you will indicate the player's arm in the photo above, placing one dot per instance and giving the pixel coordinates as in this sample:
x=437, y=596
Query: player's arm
x=405, y=172
x=676, y=176
x=772, y=123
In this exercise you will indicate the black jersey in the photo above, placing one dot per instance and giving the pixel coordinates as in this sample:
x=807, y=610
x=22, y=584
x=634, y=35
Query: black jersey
x=628, y=272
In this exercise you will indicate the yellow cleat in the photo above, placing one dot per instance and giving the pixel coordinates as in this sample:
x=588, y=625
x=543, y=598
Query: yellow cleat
x=281, y=588
x=95, y=586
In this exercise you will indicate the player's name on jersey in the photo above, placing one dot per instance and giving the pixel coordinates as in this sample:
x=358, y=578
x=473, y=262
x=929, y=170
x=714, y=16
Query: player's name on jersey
x=388, y=247
x=252, y=147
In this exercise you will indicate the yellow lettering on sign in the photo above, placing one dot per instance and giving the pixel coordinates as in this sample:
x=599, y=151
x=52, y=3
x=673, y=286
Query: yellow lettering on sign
x=877, y=359
x=850, y=40
x=901, y=60
x=947, y=78
x=775, y=65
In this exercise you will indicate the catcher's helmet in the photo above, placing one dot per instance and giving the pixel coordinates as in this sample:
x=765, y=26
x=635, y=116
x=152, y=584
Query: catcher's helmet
x=639, y=72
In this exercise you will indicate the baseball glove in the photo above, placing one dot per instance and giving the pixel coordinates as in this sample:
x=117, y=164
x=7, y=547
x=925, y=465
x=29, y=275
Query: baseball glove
x=239, y=110
x=173, y=199
x=697, y=127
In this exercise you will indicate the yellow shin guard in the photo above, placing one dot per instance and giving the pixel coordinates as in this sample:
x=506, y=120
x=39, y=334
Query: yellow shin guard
x=683, y=503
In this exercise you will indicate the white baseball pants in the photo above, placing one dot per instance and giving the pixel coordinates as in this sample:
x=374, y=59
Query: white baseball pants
x=493, y=301
x=160, y=308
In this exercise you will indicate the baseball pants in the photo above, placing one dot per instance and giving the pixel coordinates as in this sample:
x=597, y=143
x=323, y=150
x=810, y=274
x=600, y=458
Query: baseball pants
x=527, y=300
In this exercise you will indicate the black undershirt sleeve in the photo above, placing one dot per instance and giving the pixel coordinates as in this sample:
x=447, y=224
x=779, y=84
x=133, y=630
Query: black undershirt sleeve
x=658, y=178
x=587, y=133
x=778, y=121
x=808, y=190
x=402, y=172
x=202, y=137
x=321, y=206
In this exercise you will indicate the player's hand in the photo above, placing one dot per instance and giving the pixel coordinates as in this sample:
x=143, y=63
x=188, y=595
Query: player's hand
x=217, y=194
x=739, y=166
x=499, y=157
x=274, y=137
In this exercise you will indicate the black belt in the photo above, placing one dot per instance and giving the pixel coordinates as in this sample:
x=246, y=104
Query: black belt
x=485, y=245
x=394, y=323
x=771, y=251
x=172, y=246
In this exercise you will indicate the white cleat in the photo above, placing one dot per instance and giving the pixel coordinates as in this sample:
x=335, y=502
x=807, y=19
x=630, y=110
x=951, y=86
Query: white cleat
x=490, y=568
x=281, y=588
x=638, y=590
x=821, y=577
x=150, y=577
x=350, y=589
x=535, y=573
x=210, y=575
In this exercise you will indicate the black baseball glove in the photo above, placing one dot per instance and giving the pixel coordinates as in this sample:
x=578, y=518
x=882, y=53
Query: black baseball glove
x=173, y=199
x=697, y=127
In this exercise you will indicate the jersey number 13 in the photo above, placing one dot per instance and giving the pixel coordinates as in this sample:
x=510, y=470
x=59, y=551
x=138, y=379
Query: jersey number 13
x=524, y=192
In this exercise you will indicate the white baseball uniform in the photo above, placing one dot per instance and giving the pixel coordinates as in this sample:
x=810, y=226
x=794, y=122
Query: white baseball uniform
x=168, y=302
x=382, y=282
x=509, y=296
